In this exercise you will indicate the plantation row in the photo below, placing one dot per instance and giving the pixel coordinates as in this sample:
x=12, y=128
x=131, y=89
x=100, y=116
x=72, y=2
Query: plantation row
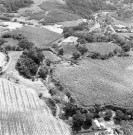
x=21, y=112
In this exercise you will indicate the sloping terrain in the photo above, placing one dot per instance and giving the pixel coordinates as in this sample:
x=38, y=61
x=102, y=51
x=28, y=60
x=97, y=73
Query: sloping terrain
x=103, y=82
x=102, y=48
x=23, y=113
x=40, y=36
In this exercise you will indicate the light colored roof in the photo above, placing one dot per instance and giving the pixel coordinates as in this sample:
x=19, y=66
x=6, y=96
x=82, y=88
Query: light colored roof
x=12, y=25
x=23, y=113
x=70, y=39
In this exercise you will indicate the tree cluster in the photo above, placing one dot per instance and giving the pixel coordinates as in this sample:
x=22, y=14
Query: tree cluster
x=29, y=62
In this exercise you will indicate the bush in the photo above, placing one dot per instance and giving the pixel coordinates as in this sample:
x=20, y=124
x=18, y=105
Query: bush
x=69, y=109
x=43, y=72
x=18, y=37
x=8, y=48
x=126, y=48
x=82, y=49
x=108, y=115
x=52, y=92
x=7, y=35
x=119, y=115
x=2, y=41
x=76, y=55
x=61, y=51
x=89, y=117
x=78, y=121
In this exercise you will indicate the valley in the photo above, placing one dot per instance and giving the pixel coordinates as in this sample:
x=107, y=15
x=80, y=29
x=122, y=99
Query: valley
x=66, y=67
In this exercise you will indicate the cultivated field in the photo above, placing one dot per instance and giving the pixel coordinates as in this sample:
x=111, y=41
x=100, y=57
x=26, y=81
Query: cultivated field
x=103, y=82
x=23, y=113
x=40, y=36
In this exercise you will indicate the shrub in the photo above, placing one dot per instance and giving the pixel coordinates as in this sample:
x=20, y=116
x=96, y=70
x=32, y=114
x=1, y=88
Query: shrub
x=78, y=120
x=18, y=37
x=2, y=41
x=108, y=115
x=43, y=72
x=82, y=49
x=89, y=117
x=69, y=109
x=52, y=92
x=61, y=51
x=7, y=35
x=126, y=48
x=119, y=115
x=8, y=48
x=76, y=55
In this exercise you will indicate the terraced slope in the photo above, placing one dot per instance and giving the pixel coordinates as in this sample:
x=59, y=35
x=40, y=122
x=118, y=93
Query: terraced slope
x=23, y=113
x=107, y=82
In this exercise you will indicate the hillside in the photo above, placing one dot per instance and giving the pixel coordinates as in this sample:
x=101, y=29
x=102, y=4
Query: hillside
x=102, y=82
x=22, y=112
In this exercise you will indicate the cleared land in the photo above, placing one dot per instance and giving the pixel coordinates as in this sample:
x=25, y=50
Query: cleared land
x=104, y=82
x=23, y=113
x=40, y=36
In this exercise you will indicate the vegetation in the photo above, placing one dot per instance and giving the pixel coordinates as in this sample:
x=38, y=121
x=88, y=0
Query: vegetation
x=96, y=79
x=40, y=37
x=14, y=5
x=85, y=8
x=29, y=63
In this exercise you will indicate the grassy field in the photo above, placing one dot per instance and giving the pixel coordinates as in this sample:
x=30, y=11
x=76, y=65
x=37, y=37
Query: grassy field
x=104, y=82
x=40, y=36
x=102, y=48
x=52, y=57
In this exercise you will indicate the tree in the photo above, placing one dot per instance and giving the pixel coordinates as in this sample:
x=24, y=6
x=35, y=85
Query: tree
x=8, y=48
x=25, y=44
x=36, y=55
x=108, y=115
x=76, y=55
x=82, y=49
x=126, y=48
x=43, y=72
x=89, y=117
x=70, y=109
x=61, y=51
x=78, y=121
x=119, y=115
